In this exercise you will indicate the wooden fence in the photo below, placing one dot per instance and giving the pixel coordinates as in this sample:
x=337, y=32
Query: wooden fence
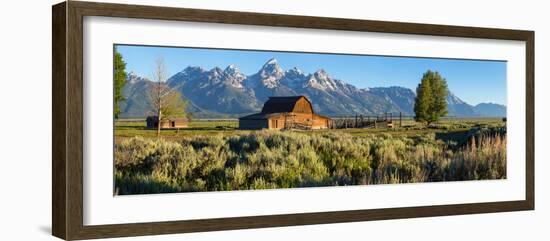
x=387, y=120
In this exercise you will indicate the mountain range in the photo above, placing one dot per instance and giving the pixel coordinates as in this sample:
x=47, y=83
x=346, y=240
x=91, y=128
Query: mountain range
x=221, y=93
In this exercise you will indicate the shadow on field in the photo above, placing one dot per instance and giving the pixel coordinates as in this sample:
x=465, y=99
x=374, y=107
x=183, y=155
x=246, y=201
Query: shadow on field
x=460, y=138
x=217, y=128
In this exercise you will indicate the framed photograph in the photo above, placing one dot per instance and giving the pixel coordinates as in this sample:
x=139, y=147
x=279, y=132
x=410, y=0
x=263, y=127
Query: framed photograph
x=171, y=120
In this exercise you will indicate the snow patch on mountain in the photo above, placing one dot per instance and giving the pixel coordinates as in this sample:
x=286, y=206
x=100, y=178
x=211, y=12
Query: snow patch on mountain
x=234, y=77
x=133, y=78
x=271, y=73
x=320, y=80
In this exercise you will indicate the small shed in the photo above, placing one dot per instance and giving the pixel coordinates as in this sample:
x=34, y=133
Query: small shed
x=288, y=112
x=168, y=123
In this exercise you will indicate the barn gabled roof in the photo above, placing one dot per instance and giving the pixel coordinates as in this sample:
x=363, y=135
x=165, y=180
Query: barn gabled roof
x=281, y=104
x=260, y=116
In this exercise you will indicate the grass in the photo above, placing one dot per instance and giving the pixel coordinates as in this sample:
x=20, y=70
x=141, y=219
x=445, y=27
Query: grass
x=208, y=157
x=124, y=129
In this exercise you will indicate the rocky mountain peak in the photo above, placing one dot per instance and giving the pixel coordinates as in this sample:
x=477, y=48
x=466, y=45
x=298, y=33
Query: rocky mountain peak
x=295, y=74
x=272, y=61
x=294, y=78
x=234, y=77
x=231, y=69
x=216, y=71
x=271, y=68
x=453, y=99
x=321, y=74
x=321, y=80
x=133, y=78
x=193, y=69
x=270, y=74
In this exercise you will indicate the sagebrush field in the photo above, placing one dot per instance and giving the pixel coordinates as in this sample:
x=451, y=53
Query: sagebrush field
x=215, y=156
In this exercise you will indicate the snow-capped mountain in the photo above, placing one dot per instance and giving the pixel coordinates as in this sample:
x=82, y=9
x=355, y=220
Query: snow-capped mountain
x=216, y=89
x=229, y=92
x=234, y=77
x=268, y=76
x=294, y=78
x=267, y=82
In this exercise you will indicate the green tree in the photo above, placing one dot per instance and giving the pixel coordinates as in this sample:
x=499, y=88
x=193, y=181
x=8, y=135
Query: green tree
x=431, y=98
x=120, y=81
x=174, y=106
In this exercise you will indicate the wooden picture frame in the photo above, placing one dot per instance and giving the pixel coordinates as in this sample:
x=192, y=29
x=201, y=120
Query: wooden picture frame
x=67, y=119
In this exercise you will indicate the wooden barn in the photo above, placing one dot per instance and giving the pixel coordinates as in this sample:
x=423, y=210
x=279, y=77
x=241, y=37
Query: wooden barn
x=169, y=123
x=289, y=112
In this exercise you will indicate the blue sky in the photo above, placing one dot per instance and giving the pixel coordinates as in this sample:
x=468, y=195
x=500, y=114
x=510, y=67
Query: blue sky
x=474, y=81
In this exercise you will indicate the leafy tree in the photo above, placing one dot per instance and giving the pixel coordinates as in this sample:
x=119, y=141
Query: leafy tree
x=431, y=98
x=174, y=106
x=166, y=102
x=120, y=81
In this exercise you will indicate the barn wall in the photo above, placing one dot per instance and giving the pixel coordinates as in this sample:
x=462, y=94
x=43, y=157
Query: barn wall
x=276, y=122
x=320, y=123
x=304, y=119
x=167, y=124
x=303, y=106
x=253, y=124
x=279, y=121
x=313, y=121
x=164, y=124
x=181, y=124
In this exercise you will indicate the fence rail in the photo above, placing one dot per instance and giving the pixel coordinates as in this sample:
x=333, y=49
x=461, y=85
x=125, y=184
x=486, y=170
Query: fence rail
x=387, y=120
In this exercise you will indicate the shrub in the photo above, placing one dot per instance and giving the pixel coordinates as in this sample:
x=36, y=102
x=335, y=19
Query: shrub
x=281, y=159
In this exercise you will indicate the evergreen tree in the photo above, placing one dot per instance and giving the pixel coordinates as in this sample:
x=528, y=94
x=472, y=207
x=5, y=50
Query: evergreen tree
x=119, y=81
x=431, y=98
x=423, y=100
x=440, y=92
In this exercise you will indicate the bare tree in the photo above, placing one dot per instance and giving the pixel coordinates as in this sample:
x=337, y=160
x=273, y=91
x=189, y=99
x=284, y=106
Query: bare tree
x=166, y=102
